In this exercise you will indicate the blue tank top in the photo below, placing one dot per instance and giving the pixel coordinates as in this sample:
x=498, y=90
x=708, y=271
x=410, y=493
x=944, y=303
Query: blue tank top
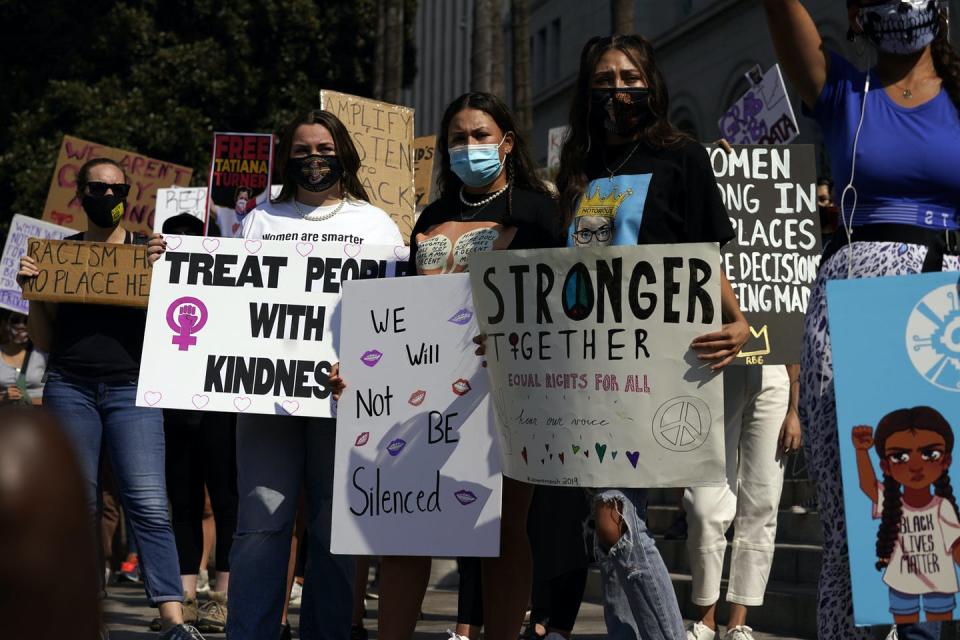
x=908, y=159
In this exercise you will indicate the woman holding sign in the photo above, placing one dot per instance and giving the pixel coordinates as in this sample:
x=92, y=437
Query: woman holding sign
x=323, y=197
x=91, y=386
x=490, y=199
x=892, y=134
x=628, y=176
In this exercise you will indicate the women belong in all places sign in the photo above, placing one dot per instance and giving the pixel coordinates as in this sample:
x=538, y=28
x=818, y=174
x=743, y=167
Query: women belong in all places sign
x=417, y=468
x=250, y=326
x=592, y=375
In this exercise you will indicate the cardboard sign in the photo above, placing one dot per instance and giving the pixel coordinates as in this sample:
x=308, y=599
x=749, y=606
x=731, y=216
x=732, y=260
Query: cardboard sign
x=173, y=201
x=146, y=176
x=417, y=471
x=556, y=136
x=22, y=228
x=383, y=135
x=896, y=360
x=250, y=326
x=89, y=273
x=424, y=148
x=770, y=193
x=241, y=166
x=591, y=370
x=763, y=115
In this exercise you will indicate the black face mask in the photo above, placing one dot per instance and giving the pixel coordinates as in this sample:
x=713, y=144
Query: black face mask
x=315, y=172
x=105, y=211
x=623, y=111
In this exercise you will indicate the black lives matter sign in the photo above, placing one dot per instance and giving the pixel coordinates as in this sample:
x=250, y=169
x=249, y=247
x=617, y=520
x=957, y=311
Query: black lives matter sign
x=770, y=195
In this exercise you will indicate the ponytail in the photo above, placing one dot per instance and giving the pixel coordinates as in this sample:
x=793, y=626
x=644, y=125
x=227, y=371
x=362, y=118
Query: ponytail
x=946, y=61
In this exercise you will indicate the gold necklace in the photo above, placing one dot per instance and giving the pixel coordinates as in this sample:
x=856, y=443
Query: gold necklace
x=619, y=166
x=907, y=93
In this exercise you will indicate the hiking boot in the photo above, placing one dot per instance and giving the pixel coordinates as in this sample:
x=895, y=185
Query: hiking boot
x=189, y=614
x=182, y=632
x=213, y=613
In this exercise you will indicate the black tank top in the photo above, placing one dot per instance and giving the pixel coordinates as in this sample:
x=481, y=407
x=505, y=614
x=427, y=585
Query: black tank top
x=99, y=343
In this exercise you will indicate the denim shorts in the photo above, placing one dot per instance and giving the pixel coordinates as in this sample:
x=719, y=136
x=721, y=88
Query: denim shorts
x=905, y=604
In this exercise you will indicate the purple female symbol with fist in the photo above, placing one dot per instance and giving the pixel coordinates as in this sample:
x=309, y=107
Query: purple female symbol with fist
x=190, y=319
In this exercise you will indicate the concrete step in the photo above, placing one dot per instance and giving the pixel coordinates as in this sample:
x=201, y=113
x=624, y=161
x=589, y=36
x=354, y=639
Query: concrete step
x=797, y=564
x=794, y=492
x=787, y=608
x=792, y=528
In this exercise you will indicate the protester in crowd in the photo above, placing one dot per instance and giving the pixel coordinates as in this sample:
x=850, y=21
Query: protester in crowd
x=891, y=135
x=556, y=529
x=829, y=213
x=21, y=366
x=622, y=140
x=201, y=457
x=321, y=194
x=48, y=571
x=486, y=182
x=92, y=385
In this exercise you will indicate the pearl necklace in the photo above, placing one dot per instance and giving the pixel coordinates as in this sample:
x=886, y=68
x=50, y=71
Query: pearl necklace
x=326, y=216
x=486, y=200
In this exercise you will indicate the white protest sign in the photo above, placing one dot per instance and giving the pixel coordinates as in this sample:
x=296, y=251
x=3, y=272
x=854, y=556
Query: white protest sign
x=22, y=228
x=172, y=201
x=592, y=374
x=417, y=471
x=763, y=115
x=555, y=139
x=250, y=326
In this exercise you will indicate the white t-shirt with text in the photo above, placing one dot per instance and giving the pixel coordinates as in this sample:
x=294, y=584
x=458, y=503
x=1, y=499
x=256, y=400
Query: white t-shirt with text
x=358, y=222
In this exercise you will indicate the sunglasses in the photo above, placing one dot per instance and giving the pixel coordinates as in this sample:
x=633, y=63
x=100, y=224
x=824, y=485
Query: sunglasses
x=100, y=188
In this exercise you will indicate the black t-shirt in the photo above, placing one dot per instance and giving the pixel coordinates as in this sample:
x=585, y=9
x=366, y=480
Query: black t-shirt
x=448, y=231
x=96, y=342
x=656, y=196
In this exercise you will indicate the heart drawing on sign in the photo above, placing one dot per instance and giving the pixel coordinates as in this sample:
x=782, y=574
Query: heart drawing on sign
x=575, y=448
x=242, y=403
x=210, y=244
x=199, y=400
x=173, y=242
x=352, y=250
x=601, y=450
x=304, y=248
x=290, y=406
x=402, y=253
x=633, y=457
x=561, y=457
x=252, y=246
x=152, y=397
x=523, y=454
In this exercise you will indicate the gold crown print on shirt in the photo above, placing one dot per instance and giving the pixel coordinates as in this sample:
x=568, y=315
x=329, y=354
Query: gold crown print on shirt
x=601, y=206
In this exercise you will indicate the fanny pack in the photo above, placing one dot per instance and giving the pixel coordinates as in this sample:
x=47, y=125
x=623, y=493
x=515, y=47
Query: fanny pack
x=939, y=243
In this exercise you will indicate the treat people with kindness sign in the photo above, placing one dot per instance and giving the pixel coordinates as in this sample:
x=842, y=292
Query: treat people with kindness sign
x=592, y=374
x=250, y=326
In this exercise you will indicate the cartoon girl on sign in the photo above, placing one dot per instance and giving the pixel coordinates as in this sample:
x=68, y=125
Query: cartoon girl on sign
x=917, y=543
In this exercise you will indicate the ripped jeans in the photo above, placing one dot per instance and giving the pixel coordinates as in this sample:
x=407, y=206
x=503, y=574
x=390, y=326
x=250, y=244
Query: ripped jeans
x=639, y=602
x=275, y=455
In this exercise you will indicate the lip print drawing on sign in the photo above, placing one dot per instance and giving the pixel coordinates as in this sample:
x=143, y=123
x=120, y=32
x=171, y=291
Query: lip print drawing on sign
x=933, y=337
x=185, y=317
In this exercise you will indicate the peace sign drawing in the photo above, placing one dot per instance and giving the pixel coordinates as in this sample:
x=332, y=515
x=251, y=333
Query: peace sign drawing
x=682, y=424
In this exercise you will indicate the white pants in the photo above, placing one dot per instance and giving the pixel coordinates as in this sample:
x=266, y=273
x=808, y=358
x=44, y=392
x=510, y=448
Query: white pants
x=755, y=404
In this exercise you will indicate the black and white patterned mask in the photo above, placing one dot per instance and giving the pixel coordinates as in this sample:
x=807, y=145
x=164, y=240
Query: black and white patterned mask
x=901, y=26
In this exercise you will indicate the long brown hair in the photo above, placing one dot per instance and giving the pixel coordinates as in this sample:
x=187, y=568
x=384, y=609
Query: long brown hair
x=915, y=419
x=346, y=152
x=946, y=60
x=584, y=136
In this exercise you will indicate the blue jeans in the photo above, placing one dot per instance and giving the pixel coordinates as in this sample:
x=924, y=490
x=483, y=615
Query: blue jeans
x=639, y=602
x=101, y=414
x=275, y=455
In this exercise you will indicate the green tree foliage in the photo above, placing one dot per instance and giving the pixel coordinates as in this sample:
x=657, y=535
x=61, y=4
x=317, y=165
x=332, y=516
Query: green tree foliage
x=159, y=76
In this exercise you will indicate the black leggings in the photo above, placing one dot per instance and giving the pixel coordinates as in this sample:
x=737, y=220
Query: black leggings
x=470, y=594
x=556, y=601
x=201, y=450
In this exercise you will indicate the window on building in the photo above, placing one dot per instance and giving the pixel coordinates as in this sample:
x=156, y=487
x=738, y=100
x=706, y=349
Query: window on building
x=553, y=62
x=540, y=59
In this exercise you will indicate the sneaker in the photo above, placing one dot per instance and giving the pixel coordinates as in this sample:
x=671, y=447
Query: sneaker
x=182, y=632
x=285, y=632
x=213, y=613
x=740, y=632
x=296, y=593
x=129, y=569
x=203, y=582
x=190, y=614
x=807, y=506
x=677, y=530
x=456, y=636
x=530, y=633
x=104, y=634
x=893, y=633
x=700, y=631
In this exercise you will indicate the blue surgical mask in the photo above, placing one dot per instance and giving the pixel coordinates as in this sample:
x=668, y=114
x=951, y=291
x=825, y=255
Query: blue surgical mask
x=477, y=165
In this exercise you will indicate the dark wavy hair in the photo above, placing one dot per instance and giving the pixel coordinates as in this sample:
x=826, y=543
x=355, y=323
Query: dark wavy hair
x=915, y=419
x=946, y=60
x=346, y=152
x=585, y=136
x=520, y=169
